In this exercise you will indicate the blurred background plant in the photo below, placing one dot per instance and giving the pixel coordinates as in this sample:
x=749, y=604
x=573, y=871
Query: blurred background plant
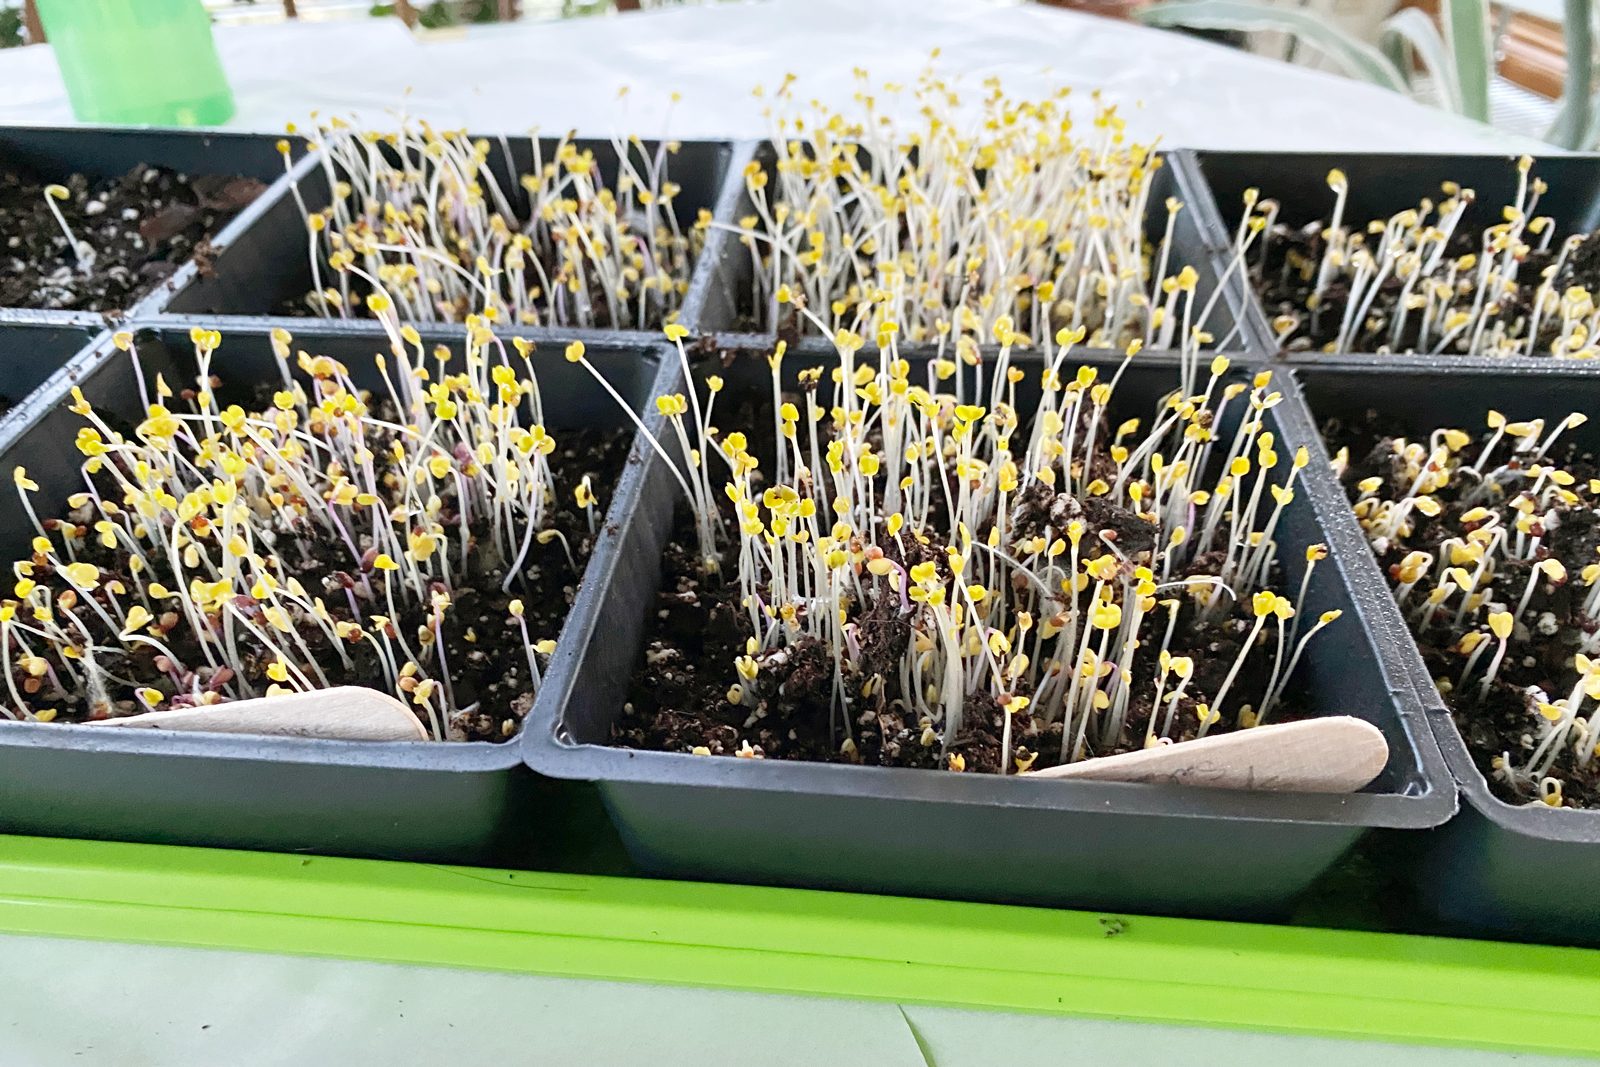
x=11, y=33
x=1505, y=62
x=19, y=23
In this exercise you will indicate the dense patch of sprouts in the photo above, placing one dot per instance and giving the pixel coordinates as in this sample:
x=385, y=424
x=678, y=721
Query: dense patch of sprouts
x=420, y=214
x=947, y=230
x=1508, y=496
x=1418, y=281
x=277, y=545
x=1032, y=550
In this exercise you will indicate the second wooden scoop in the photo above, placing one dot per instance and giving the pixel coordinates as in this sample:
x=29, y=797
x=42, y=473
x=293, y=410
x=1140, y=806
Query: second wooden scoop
x=1338, y=754
x=343, y=713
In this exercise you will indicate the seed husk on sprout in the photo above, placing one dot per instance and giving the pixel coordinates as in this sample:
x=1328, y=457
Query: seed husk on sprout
x=82, y=251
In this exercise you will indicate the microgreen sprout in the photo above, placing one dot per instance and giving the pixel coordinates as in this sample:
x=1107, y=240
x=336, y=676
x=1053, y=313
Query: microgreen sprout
x=219, y=552
x=1419, y=281
x=421, y=213
x=1473, y=539
x=81, y=250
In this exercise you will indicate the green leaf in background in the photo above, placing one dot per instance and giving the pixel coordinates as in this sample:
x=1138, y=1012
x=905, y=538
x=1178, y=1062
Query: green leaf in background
x=1409, y=35
x=1459, y=59
x=1574, y=126
x=1355, y=57
x=1466, y=32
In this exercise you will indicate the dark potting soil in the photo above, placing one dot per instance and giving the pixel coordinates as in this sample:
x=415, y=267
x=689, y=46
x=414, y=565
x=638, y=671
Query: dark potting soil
x=1504, y=720
x=1286, y=277
x=678, y=695
x=484, y=649
x=140, y=228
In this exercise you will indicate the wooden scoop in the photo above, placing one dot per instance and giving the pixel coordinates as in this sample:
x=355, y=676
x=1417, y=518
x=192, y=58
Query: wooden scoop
x=343, y=713
x=1338, y=754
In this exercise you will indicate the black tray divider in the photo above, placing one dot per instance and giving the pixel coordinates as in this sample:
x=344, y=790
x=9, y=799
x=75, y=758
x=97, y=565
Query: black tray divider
x=42, y=357
x=710, y=306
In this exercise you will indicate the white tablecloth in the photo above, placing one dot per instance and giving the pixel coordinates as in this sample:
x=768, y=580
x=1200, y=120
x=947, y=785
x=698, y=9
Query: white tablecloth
x=566, y=75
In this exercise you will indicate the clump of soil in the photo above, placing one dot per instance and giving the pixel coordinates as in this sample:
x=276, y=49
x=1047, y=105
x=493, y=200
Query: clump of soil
x=1540, y=656
x=678, y=698
x=139, y=229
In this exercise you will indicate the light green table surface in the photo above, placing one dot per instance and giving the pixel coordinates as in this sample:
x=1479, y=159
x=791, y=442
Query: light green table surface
x=128, y=954
x=140, y=1006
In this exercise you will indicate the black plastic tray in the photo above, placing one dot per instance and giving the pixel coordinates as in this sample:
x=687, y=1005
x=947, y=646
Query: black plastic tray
x=712, y=304
x=1164, y=849
x=1381, y=184
x=273, y=267
x=36, y=353
x=437, y=801
x=51, y=153
x=1176, y=178
x=1527, y=871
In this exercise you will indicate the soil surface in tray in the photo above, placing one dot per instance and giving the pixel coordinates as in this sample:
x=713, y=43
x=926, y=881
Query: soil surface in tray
x=1539, y=657
x=1286, y=278
x=483, y=645
x=678, y=695
x=137, y=231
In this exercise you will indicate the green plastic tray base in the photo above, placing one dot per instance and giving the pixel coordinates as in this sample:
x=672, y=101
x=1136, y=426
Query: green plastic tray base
x=1336, y=983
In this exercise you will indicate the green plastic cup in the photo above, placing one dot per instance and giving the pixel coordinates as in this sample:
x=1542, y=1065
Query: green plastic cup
x=138, y=62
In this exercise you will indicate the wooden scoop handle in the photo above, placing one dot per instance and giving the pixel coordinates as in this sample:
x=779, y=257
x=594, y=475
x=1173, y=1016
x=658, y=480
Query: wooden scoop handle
x=343, y=713
x=1338, y=754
